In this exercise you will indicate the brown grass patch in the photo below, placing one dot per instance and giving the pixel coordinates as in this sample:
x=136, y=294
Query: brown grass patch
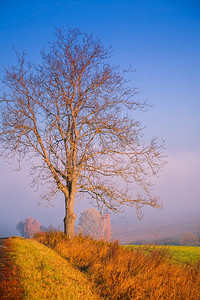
x=119, y=273
x=9, y=275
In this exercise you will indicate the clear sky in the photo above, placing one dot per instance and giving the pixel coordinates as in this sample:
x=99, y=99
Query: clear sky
x=161, y=40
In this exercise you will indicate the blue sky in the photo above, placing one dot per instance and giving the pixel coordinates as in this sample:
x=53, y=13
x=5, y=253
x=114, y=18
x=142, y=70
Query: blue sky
x=161, y=40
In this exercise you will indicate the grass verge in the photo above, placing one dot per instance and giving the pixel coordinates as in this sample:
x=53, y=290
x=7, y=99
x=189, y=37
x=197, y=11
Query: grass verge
x=43, y=274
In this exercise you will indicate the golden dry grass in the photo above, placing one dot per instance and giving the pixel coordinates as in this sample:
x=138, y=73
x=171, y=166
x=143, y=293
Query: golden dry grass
x=119, y=273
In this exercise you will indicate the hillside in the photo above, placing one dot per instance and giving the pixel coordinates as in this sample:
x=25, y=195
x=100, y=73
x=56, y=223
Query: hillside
x=43, y=274
x=118, y=273
x=84, y=268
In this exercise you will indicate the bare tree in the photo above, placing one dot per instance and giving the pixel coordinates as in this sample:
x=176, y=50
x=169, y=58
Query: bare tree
x=75, y=113
x=28, y=227
x=91, y=224
x=189, y=239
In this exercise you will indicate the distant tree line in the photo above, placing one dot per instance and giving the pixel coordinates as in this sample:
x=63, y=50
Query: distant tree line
x=188, y=239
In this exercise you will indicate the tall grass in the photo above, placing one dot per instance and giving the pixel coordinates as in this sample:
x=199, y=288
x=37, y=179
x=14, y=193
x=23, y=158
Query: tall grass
x=119, y=273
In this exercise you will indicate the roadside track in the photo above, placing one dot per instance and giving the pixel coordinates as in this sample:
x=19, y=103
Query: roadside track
x=2, y=266
x=9, y=283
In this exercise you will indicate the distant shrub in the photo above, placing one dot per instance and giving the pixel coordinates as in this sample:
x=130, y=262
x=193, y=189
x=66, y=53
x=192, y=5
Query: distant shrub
x=119, y=273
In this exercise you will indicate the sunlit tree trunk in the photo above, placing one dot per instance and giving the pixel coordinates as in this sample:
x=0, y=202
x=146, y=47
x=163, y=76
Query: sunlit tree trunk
x=70, y=217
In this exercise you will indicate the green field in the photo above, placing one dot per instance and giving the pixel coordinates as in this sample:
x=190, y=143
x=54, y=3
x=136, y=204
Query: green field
x=180, y=254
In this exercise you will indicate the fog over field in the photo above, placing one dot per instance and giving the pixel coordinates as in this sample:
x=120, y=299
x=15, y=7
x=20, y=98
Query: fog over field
x=177, y=186
x=161, y=39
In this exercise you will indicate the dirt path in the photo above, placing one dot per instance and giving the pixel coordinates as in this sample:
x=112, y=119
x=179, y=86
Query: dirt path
x=2, y=255
x=9, y=283
x=2, y=267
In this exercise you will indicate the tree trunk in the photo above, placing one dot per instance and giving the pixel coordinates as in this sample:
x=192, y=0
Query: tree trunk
x=70, y=217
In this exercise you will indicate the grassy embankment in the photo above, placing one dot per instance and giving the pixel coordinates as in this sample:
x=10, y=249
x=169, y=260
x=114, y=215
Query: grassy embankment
x=72, y=268
x=180, y=254
x=44, y=274
x=119, y=273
